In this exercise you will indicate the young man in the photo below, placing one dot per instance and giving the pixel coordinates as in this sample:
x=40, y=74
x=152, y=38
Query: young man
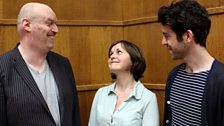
x=195, y=88
x=37, y=86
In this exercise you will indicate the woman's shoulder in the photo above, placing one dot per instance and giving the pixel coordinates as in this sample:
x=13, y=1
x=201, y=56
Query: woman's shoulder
x=106, y=88
x=147, y=92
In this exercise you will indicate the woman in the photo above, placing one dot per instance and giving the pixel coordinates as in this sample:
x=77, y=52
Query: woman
x=126, y=102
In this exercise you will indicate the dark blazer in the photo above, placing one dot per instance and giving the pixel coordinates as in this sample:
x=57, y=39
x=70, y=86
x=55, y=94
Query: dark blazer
x=21, y=102
x=213, y=101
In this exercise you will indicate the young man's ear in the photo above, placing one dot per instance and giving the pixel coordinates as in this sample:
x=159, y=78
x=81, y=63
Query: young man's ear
x=26, y=24
x=189, y=36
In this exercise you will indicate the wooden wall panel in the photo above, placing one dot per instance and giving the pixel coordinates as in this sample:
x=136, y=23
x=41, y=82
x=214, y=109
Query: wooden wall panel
x=1, y=8
x=215, y=41
x=211, y=3
x=134, y=9
x=160, y=94
x=85, y=103
x=87, y=49
x=137, y=9
x=71, y=9
x=8, y=38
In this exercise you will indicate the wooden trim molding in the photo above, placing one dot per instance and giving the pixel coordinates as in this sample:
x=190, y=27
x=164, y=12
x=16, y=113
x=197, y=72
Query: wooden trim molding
x=8, y=22
x=89, y=23
x=211, y=11
x=140, y=21
x=90, y=87
x=94, y=87
x=155, y=86
x=71, y=22
x=215, y=10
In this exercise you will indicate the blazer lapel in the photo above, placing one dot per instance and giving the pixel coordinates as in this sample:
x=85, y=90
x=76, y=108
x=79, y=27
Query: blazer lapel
x=24, y=72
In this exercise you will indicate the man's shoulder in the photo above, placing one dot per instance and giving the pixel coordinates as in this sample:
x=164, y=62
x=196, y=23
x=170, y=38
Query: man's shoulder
x=55, y=56
x=219, y=63
x=7, y=55
x=217, y=67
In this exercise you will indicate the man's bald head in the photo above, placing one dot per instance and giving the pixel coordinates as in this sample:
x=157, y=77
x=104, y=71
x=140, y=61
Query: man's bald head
x=32, y=10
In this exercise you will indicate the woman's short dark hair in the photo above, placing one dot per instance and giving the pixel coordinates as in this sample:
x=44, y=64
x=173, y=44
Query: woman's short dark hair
x=136, y=56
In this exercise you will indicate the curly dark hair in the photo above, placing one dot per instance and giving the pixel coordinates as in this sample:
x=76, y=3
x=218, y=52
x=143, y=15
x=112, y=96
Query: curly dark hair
x=138, y=61
x=185, y=15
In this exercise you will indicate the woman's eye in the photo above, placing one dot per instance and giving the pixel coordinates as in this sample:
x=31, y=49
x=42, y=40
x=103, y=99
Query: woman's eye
x=119, y=52
x=111, y=53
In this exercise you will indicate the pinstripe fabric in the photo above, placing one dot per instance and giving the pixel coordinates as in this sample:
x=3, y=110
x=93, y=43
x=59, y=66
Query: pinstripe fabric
x=21, y=102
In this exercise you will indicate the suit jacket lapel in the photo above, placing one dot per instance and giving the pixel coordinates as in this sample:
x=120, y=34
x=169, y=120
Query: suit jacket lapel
x=24, y=72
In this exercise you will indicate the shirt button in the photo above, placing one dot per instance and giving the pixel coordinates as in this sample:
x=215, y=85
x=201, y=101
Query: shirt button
x=167, y=121
x=168, y=102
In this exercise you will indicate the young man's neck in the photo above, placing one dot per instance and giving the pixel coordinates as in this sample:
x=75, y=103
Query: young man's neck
x=198, y=60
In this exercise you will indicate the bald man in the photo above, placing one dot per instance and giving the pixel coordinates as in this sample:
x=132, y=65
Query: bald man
x=37, y=86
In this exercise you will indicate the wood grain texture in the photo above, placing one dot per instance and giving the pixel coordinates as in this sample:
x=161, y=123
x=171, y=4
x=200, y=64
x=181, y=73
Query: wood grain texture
x=1, y=8
x=135, y=9
x=71, y=9
x=87, y=49
x=215, y=42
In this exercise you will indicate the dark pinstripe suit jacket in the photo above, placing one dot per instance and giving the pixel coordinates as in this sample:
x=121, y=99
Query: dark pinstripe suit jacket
x=21, y=102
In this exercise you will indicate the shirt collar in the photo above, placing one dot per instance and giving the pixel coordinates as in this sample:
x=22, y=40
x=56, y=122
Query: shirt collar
x=111, y=89
x=136, y=93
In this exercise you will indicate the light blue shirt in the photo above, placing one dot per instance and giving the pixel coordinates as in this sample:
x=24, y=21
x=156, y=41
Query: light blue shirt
x=140, y=109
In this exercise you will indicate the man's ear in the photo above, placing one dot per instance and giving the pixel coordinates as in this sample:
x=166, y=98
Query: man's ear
x=189, y=36
x=26, y=24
